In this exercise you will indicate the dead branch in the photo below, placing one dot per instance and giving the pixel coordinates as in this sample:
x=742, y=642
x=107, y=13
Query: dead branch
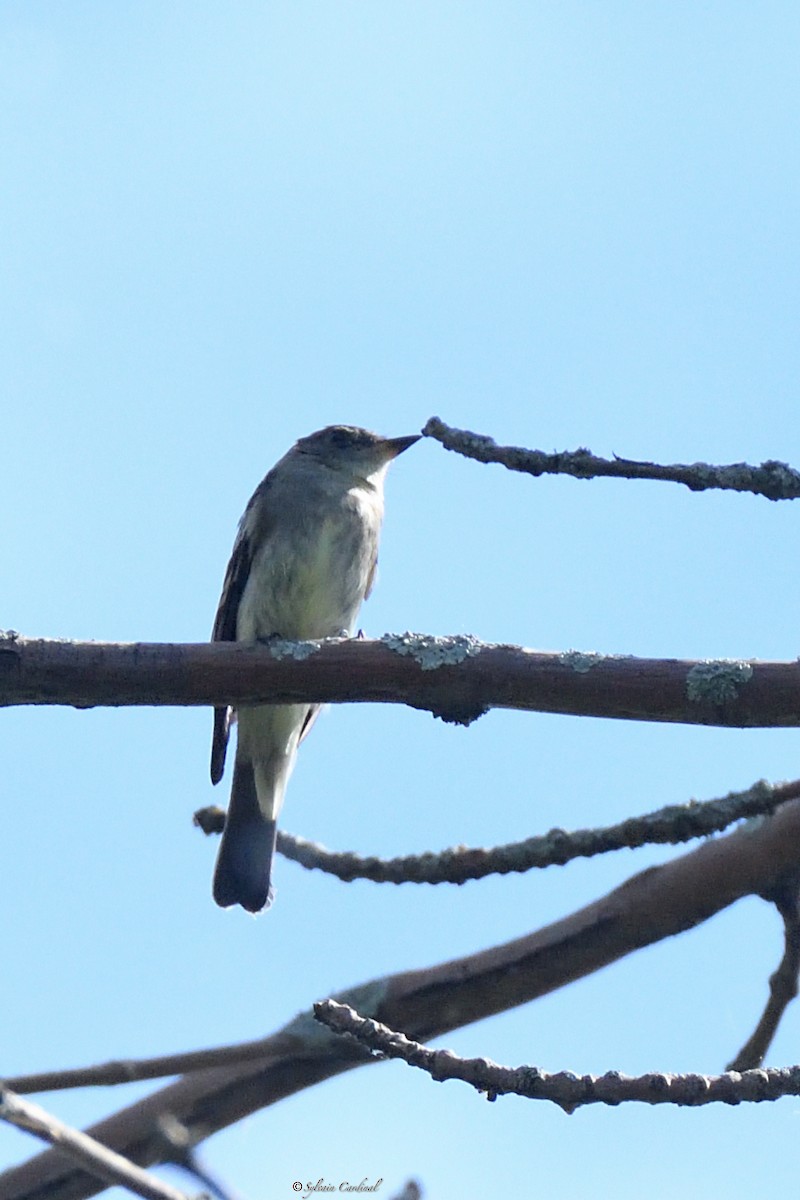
x=783, y=983
x=774, y=480
x=104, y=1164
x=670, y=825
x=567, y=1090
x=424, y=1004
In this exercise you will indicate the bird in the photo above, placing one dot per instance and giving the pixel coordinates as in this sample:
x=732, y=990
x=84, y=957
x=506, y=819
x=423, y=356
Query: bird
x=303, y=560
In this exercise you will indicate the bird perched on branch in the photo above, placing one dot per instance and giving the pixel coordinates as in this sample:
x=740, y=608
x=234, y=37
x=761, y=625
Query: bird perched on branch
x=303, y=561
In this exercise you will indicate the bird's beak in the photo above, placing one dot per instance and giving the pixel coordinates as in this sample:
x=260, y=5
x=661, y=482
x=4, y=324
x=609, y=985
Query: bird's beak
x=396, y=446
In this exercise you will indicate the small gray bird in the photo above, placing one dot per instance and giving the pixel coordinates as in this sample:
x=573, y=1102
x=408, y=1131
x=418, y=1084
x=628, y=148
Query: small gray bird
x=303, y=561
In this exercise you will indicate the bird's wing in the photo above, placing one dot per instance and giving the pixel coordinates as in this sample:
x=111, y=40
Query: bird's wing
x=311, y=717
x=236, y=576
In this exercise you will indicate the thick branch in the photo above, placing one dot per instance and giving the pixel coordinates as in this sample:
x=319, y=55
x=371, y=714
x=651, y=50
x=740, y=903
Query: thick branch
x=775, y=480
x=424, y=1004
x=456, y=678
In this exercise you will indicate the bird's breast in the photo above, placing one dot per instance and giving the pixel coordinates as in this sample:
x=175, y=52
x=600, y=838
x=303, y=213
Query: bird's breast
x=309, y=576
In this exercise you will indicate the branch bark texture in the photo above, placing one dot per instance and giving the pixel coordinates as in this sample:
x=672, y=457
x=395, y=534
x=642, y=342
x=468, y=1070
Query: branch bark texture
x=457, y=678
x=772, y=479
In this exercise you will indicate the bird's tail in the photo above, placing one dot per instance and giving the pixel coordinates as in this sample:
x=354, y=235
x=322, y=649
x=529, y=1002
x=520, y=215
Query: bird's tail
x=244, y=862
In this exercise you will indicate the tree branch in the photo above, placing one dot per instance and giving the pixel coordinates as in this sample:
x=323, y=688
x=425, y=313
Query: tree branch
x=456, y=678
x=670, y=825
x=783, y=983
x=565, y=1089
x=104, y=1164
x=424, y=1004
x=181, y=1153
x=775, y=480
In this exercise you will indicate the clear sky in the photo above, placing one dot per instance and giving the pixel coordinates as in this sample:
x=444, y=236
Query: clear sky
x=562, y=224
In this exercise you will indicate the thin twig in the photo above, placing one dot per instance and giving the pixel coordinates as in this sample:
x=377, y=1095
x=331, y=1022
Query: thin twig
x=119, y=1071
x=783, y=984
x=181, y=1152
x=672, y=825
x=565, y=1089
x=106, y=1164
x=774, y=480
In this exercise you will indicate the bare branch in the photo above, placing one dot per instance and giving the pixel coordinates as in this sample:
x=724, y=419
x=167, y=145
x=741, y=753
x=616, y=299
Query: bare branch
x=119, y=1071
x=456, y=678
x=775, y=480
x=671, y=825
x=104, y=1164
x=565, y=1089
x=783, y=983
x=424, y=1004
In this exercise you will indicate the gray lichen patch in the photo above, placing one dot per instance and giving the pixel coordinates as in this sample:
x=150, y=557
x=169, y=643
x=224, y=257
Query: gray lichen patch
x=475, y=443
x=716, y=681
x=581, y=660
x=432, y=652
x=281, y=648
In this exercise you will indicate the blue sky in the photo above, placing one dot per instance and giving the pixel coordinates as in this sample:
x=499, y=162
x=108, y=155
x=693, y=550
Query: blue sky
x=224, y=226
